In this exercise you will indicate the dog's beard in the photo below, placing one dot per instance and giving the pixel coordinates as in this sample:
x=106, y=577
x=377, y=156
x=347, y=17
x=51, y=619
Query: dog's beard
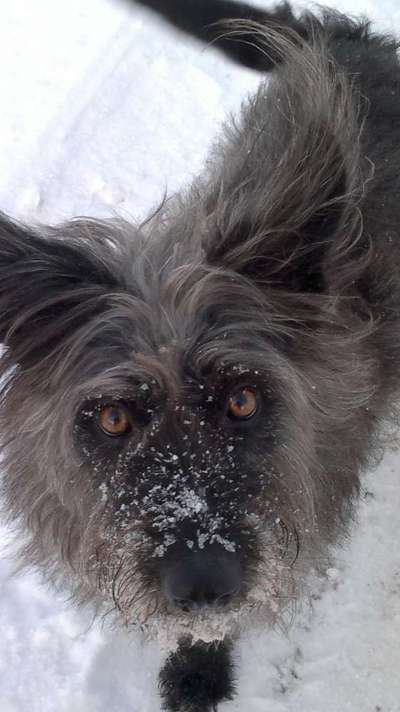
x=263, y=607
x=137, y=602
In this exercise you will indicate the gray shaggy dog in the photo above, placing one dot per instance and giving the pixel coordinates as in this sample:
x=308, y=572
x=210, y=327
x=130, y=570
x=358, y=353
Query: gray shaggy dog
x=187, y=405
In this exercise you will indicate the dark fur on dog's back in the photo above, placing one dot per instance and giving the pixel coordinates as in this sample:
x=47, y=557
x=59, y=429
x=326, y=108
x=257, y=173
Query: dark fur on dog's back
x=207, y=21
x=276, y=271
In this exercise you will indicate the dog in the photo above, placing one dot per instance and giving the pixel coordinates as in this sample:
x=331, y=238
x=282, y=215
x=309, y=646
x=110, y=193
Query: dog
x=187, y=405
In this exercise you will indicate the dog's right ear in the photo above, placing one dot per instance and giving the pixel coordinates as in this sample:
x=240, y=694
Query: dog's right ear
x=51, y=282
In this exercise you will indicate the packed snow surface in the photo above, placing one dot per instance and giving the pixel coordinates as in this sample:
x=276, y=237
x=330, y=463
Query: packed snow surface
x=103, y=109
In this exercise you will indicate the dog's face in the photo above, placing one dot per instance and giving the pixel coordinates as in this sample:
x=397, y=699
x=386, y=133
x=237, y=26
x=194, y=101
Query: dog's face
x=162, y=443
x=177, y=404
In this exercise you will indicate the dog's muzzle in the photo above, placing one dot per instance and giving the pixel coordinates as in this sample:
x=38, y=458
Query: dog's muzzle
x=206, y=578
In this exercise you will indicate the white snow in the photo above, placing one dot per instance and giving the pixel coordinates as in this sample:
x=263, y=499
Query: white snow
x=103, y=108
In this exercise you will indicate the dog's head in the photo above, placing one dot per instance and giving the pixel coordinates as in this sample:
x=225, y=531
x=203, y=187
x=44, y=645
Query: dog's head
x=183, y=405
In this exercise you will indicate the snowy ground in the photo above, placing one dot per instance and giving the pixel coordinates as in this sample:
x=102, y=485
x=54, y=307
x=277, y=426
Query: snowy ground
x=102, y=109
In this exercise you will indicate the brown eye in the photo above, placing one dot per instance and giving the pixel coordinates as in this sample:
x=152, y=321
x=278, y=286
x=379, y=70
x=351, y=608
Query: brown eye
x=114, y=420
x=243, y=404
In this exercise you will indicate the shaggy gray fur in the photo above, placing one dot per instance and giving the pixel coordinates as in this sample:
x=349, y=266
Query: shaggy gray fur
x=277, y=270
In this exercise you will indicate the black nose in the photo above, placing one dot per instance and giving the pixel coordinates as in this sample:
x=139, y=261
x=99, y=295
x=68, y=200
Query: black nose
x=210, y=577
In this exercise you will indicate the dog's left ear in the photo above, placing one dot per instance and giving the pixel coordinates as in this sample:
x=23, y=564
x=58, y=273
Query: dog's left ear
x=286, y=200
x=51, y=282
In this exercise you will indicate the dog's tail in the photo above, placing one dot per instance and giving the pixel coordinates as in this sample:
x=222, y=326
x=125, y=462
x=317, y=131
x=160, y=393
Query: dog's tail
x=222, y=24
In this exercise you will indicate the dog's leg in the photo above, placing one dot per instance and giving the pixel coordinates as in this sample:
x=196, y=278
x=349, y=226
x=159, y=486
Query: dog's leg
x=204, y=19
